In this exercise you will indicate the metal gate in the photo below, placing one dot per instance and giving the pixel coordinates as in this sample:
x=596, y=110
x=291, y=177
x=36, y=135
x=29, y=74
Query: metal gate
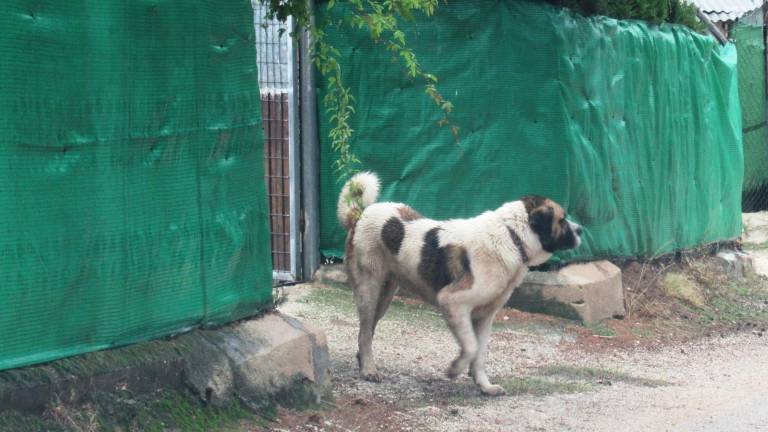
x=275, y=57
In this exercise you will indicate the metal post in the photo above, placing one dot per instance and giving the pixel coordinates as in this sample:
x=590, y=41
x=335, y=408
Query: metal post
x=310, y=158
x=712, y=28
x=764, y=11
x=293, y=151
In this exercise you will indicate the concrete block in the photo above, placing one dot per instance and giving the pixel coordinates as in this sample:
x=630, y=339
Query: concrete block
x=755, y=228
x=259, y=361
x=735, y=263
x=588, y=292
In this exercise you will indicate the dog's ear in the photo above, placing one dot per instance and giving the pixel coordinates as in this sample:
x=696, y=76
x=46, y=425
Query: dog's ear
x=540, y=220
x=532, y=202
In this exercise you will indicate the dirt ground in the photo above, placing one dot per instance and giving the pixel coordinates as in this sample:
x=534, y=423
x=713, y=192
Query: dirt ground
x=559, y=376
x=668, y=365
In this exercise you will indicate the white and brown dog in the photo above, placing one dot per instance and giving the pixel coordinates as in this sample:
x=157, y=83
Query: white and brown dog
x=468, y=268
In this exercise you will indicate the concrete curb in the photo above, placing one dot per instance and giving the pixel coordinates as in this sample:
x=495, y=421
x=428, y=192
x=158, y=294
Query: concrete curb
x=274, y=359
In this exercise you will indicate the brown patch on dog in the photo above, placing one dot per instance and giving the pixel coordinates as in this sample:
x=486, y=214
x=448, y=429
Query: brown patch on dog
x=348, y=245
x=462, y=284
x=531, y=202
x=392, y=234
x=458, y=266
x=457, y=262
x=433, y=267
x=441, y=266
x=558, y=211
x=408, y=214
x=349, y=257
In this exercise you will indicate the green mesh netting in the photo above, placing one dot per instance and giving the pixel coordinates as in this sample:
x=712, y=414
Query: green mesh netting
x=634, y=128
x=748, y=37
x=132, y=202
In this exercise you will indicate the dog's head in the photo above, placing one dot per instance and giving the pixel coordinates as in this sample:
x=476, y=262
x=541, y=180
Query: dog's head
x=550, y=222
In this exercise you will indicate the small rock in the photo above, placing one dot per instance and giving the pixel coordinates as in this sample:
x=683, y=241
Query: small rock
x=315, y=418
x=454, y=411
x=360, y=401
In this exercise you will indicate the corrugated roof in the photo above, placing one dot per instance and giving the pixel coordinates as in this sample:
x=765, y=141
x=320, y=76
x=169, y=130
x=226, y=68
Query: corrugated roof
x=726, y=10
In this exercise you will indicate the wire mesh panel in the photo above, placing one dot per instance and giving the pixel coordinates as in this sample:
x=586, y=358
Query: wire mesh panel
x=274, y=113
x=750, y=44
x=273, y=51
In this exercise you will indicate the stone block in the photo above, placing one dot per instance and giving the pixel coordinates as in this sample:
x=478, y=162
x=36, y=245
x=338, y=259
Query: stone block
x=588, y=292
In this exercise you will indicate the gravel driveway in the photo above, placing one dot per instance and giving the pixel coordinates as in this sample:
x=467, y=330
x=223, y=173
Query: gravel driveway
x=555, y=382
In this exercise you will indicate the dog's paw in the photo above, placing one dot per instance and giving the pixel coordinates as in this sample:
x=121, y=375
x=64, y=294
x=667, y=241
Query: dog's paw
x=454, y=371
x=493, y=390
x=373, y=377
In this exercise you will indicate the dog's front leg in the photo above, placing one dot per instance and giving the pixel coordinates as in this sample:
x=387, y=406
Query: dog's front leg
x=459, y=318
x=482, y=327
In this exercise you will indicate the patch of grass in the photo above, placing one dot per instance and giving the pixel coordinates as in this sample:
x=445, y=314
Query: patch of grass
x=12, y=421
x=162, y=411
x=755, y=246
x=642, y=332
x=107, y=360
x=681, y=287
x=600, y=329
x=426, y=313
x=541, y=387
x=737, y=301
x=184, y=412
x=598, y=375
x=340, y=298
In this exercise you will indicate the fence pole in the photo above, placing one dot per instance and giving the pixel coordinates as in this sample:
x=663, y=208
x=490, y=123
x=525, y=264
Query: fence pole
x=765, y=51
x=711, y=27
x=310, y=158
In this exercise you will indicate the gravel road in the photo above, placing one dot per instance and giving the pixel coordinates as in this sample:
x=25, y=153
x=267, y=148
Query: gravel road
x=554, y=383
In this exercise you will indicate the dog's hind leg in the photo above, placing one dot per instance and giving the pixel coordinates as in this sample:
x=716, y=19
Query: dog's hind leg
x=368, y=297
x=460, y=322
x=482, y=328
x=385, y=298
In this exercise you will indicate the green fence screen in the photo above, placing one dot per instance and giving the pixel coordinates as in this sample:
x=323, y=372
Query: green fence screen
x=635, y=128
x=748, y=36
x=132, y=202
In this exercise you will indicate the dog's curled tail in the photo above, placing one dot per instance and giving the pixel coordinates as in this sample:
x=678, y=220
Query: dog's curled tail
x=358, y=193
